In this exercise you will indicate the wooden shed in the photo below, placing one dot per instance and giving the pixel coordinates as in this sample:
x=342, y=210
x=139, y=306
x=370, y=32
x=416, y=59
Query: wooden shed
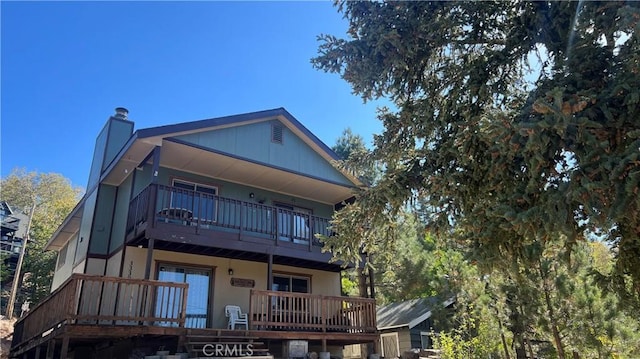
x=406, y=325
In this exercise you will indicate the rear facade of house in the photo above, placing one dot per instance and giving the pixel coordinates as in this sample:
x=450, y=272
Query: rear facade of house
x=181, y=221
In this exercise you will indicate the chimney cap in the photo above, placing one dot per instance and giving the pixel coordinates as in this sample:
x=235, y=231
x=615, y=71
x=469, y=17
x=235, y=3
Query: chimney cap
x=121, y=112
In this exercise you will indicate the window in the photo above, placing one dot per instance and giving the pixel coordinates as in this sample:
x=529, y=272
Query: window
x=293, y=223
x=425, y=340
x=62, y=256
x=198, y=198
x=289, y=283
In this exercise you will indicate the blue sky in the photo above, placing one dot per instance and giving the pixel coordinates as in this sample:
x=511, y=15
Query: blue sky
x=67, y=65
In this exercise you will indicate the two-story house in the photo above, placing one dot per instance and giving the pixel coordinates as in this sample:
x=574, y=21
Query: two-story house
x=180, y=221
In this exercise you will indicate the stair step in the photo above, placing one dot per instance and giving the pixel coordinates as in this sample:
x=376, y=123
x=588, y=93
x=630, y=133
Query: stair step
x=210, y=336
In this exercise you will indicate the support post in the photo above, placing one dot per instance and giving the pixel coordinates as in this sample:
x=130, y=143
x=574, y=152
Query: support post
x=51, y=348
x=65, y=347
x=155, y=167
x=147, y=268
x=269, y=271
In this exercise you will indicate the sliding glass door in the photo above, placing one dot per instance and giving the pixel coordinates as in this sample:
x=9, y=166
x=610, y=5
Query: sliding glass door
x=199, y=281
x=293, y=223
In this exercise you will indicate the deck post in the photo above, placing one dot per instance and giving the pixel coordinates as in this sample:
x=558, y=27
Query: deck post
x=155, y=166
x=38, y=352
x=147, y=268
x=270, y=271
x=275, y=221
x=65, y=347
x=51, y=348
x=324, y=344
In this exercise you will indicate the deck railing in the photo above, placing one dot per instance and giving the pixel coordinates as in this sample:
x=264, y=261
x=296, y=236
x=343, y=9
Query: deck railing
x=88, y=299
x=203, y=210
x=273, y=310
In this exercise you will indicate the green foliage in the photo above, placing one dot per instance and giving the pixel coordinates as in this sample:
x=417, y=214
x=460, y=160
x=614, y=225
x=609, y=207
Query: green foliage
x=349, y=285
x=458, y=344
x=355, y=157
x=501, y=159
x=54, y=197
x=4, y=269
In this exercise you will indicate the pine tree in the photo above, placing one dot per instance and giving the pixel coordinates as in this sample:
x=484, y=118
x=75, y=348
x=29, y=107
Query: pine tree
x=500, y=159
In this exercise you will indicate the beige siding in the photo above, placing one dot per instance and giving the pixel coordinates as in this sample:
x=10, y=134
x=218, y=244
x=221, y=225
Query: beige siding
x=95, y=266
x=113, y=264
x=64, y=272
x=326, y=283
x=79, y=268
x=404, y=337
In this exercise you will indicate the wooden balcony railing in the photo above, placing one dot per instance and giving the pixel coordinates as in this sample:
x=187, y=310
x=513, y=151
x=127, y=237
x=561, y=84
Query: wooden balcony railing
x=272, y=310
x=88, y=299
x=202, y=210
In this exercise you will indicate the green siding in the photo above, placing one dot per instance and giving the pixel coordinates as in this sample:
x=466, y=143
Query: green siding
x=120, y=215
x=425, y=326
x=112, y=138
x=119, y=133
x=101, y=231
x=141, y=180
x=98, y=155
x=253, y=142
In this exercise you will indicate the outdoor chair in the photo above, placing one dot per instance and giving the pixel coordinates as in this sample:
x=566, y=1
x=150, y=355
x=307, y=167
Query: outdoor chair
x=235, y=315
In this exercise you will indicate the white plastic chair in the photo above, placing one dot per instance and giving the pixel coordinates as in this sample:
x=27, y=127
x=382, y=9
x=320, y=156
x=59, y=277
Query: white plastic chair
x=235, y=315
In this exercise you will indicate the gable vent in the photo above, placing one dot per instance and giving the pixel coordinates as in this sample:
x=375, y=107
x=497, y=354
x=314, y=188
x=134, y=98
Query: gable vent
x=276, y=132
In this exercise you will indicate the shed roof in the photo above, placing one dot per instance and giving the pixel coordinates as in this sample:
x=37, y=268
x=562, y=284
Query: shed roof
x=408, y=313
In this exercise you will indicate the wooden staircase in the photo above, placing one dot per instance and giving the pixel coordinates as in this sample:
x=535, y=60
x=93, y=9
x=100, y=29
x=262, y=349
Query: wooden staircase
x=225, y=345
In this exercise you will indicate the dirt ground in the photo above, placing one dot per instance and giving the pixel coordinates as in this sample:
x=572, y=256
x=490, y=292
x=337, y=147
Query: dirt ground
x=6, y=331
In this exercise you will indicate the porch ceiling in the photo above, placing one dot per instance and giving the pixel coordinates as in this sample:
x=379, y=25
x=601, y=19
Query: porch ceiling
x=210, y=164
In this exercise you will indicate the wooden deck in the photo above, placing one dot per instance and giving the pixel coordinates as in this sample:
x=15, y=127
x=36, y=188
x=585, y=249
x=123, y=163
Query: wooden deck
x=90, y=308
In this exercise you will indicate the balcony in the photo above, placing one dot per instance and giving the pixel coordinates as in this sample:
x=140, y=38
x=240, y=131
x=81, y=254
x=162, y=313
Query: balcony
x=202, y=211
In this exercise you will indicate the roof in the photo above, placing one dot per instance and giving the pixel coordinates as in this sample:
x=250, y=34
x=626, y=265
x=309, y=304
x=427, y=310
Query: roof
x=408, y=313
x=13, y=221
